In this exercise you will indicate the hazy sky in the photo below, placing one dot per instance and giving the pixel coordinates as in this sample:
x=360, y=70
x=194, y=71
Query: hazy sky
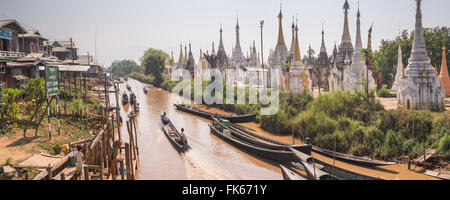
x=125, y=28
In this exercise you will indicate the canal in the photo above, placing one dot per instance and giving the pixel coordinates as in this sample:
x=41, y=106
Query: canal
x=209, y=158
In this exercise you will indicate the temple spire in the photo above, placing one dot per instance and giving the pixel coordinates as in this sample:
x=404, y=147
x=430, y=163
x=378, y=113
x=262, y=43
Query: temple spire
x=444, y=69
x=292, y=49
x=237, y=54
x=322, y=47
x=181, y=58
x=280, y=29
x=369, y=40
x=346, y=35
x=297, y=56
x=172, y=61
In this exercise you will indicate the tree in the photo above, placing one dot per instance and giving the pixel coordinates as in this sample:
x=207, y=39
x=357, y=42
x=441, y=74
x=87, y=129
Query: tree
x=386, y=57
x=125, y=67
x=153, y=63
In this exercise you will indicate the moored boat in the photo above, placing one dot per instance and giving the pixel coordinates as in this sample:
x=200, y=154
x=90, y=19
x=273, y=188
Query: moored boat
x=208, y=115
x=312, y=169
x=351, y=159
x=174, y=136
x=281, y=156
x=290, y=175
x=259, y=140
x=339, y=156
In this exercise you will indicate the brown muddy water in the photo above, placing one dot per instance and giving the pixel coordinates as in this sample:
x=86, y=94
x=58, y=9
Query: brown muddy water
x=209, y=158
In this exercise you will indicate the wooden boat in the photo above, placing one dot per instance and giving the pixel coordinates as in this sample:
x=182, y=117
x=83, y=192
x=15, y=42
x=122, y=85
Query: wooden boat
x=274, y=155
x=339, y=156
x=290, y=175
x=351, y=159
x=207, y=115
x=338, y=172
x=124, y=99
x=313, y=170
x=443, y=176
x=173, y=135
x=261, y=141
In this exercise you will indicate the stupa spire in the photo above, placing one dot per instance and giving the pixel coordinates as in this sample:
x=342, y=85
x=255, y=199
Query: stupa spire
x=292, y=49
x=346, y=35
x=297, y=56
x=322, y=47
x=280, y=29
x=181, y=58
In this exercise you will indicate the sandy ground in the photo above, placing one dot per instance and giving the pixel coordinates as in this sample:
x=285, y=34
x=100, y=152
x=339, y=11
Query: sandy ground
x=18, y=148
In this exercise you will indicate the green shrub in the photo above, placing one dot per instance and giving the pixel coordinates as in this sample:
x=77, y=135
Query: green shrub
x=384, y=92
x=444, y=146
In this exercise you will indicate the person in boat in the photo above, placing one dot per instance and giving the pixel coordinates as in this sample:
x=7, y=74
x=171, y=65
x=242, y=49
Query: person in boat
x=136, y=108
x=132, y=99
x=182, y=140
x=165, y=119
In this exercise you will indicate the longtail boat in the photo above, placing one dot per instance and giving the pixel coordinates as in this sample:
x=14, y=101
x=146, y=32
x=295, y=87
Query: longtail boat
x=443, y=176
x=269, y=154
x=339, y=156
x=313, y=170
x=208, y=115
x=174, y=136
x=258, y=140
x=351, y=159
x=290, y=175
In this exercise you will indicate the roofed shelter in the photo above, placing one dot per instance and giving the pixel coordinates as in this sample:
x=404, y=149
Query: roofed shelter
x=9, y=47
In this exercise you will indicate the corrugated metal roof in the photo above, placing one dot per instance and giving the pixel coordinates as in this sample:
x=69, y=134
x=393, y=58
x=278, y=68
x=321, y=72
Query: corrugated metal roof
x=9, y=21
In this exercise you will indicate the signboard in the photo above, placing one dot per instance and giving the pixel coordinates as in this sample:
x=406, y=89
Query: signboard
x=5, y=34
x=52, y=80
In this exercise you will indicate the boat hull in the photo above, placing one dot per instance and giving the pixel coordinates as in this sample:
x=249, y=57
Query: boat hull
x=207, y=115
x=273, y=155
x=180, y=148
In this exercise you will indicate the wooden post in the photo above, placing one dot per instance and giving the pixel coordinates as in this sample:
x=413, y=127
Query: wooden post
x=100, y=149
x=128, y=159
x=85, y=87
x=112, y=127
x=135, y=136
x=424, y=153
x=118, y=113
x=58, y=116
x=76, y=89
x=334, y=152
x=27, y=176
x=130, y=132
x=121, y=170
x=49, y=169
x=86, y=173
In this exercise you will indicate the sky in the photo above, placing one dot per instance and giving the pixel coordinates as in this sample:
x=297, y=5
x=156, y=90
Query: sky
x=125, y=29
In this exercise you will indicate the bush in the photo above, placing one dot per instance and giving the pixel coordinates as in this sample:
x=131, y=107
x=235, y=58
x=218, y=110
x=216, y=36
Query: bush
x=310, y=124
x=384, y=92
x=444, y=146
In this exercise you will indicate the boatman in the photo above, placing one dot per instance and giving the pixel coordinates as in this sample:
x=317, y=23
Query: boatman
x=183, y=139
x=165, y=119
